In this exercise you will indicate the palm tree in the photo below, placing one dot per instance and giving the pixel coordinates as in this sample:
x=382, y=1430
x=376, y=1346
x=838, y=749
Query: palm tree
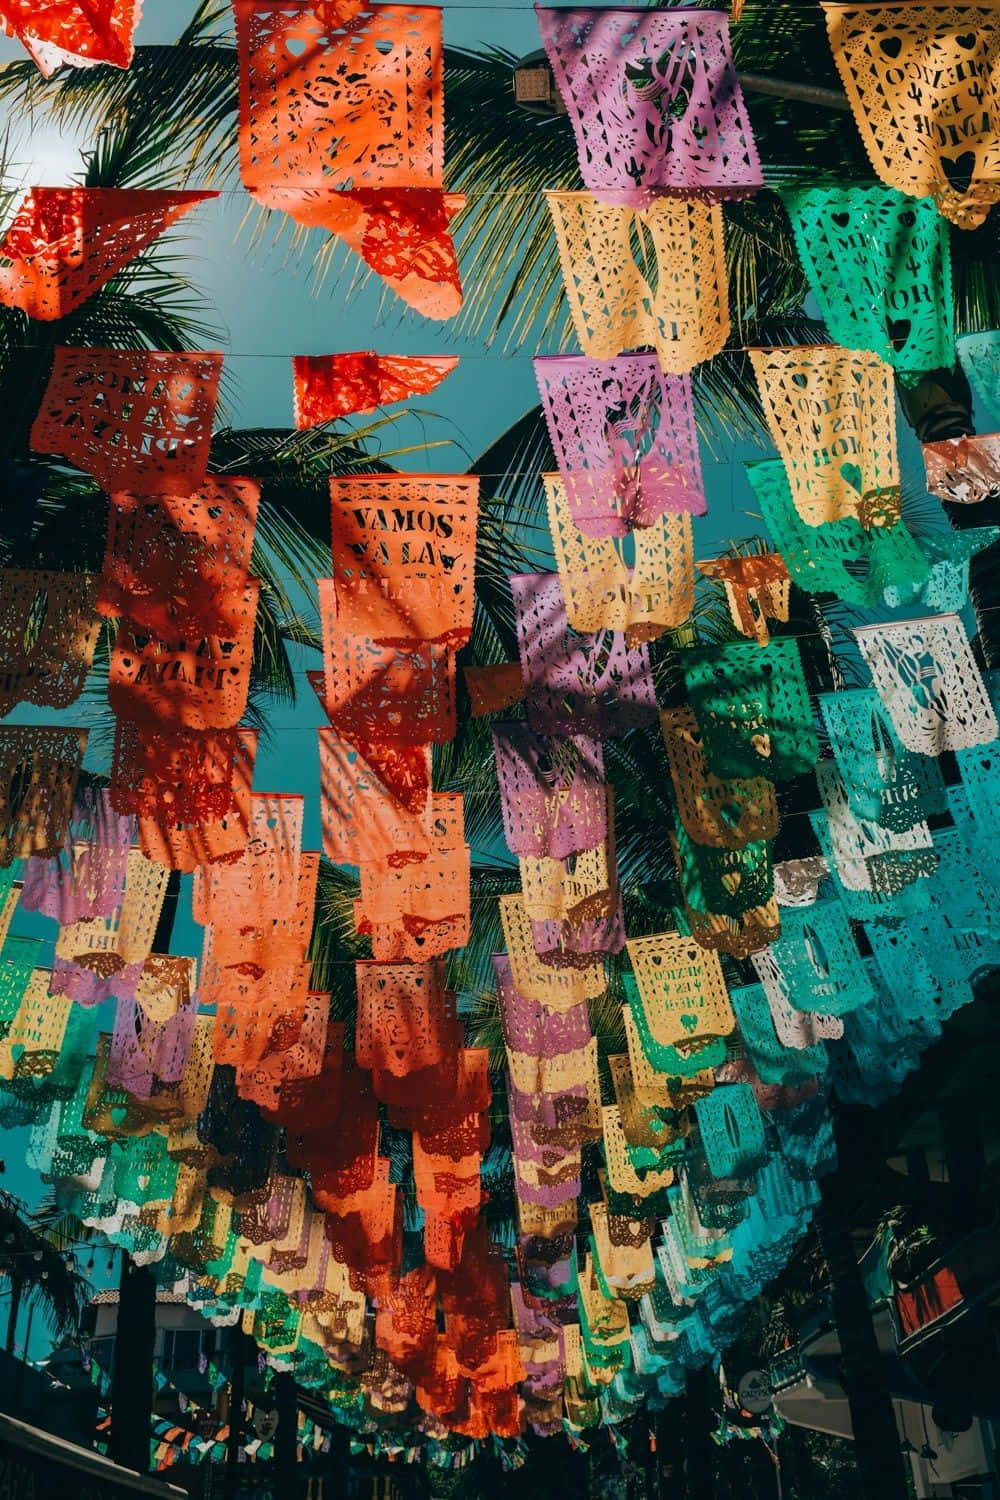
x=38, y=1271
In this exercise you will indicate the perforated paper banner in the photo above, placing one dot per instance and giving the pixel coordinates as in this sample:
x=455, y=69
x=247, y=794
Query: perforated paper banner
x=421, y=908
x=879, y=266
x=681, y=989
x=340, y=96
x=926, y=675
x=493, y=689
x=559, y=989
x=752, y=707
x=612, y=301
x=868, y=857
x=39, y=766
x=46, y=666
x=757, y=590
x=178, y=564
x=144, y=1050
x=342, y=126
x=81, y=33
x=135, y=420
x=257, y=923
x=552, y=791
x=87, y=876
x=603, y=593
x=624, y=439
x=818, y=961
x=655, y=102
x=404, y=549
x=980, y=357
x=375, y=799
x=723, y=812
x=394, y=695
x=837, y=557
x=260, y=884
x=181, y=776
x=595, y=684
x=922, y=81
x=832, y=415
x=330, y=386
x=105, y=946
x=963, y=470
x=64, y=243
x=198, y=683
x=885, y=783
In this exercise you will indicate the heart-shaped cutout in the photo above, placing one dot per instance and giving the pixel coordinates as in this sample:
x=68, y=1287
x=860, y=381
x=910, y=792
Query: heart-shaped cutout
x=968, y=40
x=851, y=473
x=959, y=170
x=898, y=330
x=892, y=46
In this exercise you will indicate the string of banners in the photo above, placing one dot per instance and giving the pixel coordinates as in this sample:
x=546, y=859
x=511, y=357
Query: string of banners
x=224, y=1129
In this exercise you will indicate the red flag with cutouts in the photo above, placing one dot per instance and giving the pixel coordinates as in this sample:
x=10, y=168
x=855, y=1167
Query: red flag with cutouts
x=192, y=682
x=393, y=695
x=404, y=556
x=192, y=792
x=176, y=564
x=65, y=243
x=328, y=386
x=376, y=800
x=405, y=1016
x=78, y=32
x=342, y=127
x=134, y=419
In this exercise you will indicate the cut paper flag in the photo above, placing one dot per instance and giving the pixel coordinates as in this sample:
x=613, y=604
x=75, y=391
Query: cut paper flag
x=342, y=127
x=493, y=689
x=39, y=766
x=403, y=553
x=591, y=684
x=838, y=557
x=553, y=797
x=832, y=415
x=138, y=420
x=330, y=386
x=752, y=707
x=47, y=666
x=81, y=33
x=178, y=564
x=980, y=357
x=885, y=783
x=720, y=812
x=922, y=81
x=655, y=102
x=963, y=470
x=191, y=791
x=185, y=682
x=398, y=695
x=65, y=243
x=758, y=589
x=602, y=593
x=926, y=675
x=376, y=800
x=624, y=440
x=879, y=266
x=612, y=301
